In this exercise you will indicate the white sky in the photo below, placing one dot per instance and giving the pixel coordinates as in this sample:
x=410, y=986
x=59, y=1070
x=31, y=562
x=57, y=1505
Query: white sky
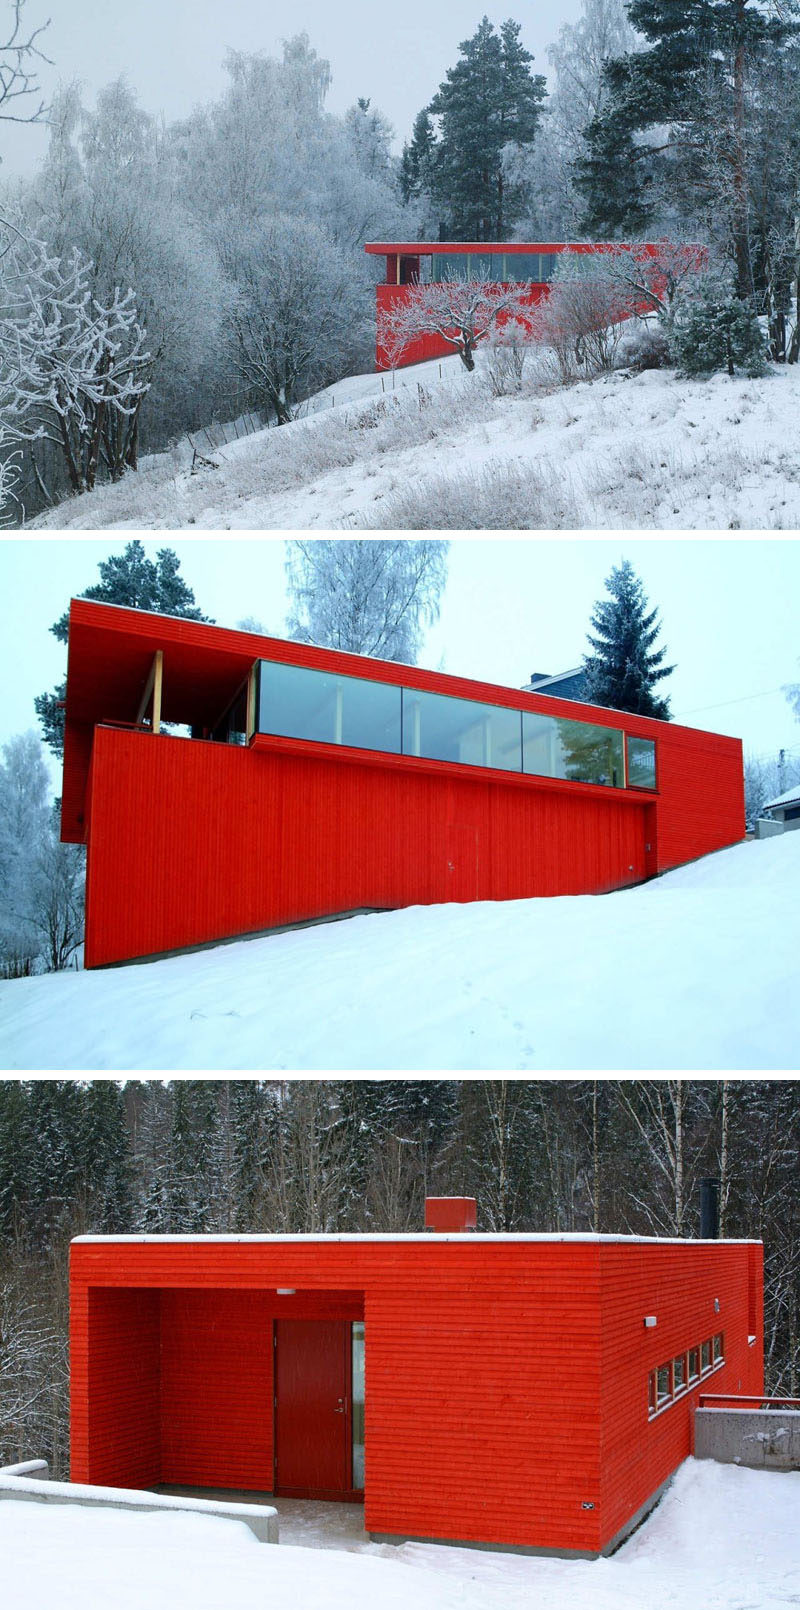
x=729, y=612
x=172, y=51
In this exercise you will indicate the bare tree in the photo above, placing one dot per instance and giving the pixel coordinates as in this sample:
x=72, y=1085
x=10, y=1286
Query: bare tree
x=19, y=54
x=366, y=597
x=461, y=313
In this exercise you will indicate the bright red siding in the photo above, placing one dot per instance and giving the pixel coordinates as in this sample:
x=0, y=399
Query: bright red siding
x=192, y=841
x=506, y=1381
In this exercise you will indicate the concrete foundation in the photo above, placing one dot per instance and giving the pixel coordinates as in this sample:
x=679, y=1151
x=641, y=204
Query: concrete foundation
x=761, y=1439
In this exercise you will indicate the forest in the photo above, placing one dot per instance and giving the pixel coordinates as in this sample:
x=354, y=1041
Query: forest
x=334, y=1155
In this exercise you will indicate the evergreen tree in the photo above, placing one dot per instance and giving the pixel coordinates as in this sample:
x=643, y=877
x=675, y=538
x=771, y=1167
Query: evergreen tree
x=133, y=581
x=717, y=331
x=694, y=80
x=415, y=163
x=624, y=669
x=489, y=101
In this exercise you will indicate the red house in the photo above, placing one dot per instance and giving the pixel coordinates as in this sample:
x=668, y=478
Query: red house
x=316, y=783
x=519, y=1390
x=500, y=263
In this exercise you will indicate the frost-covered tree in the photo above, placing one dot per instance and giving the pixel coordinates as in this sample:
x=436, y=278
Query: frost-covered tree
x=20, y=53
x=463, y=313
x=135, y=582
x=74, y=369
x=714, y=330
x=624, y=666
x=293, y=309
x=365, y=597
x=24, y=790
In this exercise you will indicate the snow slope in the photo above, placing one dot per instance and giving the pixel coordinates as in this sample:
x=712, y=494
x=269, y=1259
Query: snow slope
x=695, y=970
x=641, y=452
x=721, y=1539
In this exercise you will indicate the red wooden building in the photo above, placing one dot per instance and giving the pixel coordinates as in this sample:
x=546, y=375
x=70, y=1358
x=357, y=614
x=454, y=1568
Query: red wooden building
x=525, y=1390
x=317, y=783
x=408, y=263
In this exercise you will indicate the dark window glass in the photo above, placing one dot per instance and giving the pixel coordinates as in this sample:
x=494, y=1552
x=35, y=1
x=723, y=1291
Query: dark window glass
x=554, y=747
x=232, y=729
x=705, y=1356
x=522, y=266
x=679, y=1372
x=449, y=266
x=717, y=1349
x=663, y=1383
x=547, y=264
x=694, y=1363
x=641, y=763
x=485, y=266
x=441, y=728
x=325, y=708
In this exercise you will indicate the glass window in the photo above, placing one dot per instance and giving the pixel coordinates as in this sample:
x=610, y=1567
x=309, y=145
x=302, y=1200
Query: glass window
x=641, y=763
x=522, y=266
x=357, y=1400
x=449, y=266
x=553, y=747
x=547, y=264
x=718, y=1354
x=663, y=1384
x=679, y=1372
x=705, y=1356
x=694, y=1363
x=325, y=708
x=651, y=1394
x=442, y=728
x=232, y=729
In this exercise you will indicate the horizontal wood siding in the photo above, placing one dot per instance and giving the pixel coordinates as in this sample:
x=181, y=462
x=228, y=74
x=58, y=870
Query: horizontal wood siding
x=482, y=1374
x=678, y=1285
x=115, y=1386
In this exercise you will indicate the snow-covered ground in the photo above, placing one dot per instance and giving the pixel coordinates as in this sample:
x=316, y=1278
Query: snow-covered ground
x=695, y=970
x=721, y=1539
x=642, y=452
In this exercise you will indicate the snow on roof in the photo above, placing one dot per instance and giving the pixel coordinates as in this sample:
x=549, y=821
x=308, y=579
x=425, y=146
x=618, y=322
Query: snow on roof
x=463, y=1237
x=790, y=798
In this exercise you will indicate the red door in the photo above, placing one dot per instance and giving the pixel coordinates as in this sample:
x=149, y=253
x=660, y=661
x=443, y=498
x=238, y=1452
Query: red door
x=312, y=1408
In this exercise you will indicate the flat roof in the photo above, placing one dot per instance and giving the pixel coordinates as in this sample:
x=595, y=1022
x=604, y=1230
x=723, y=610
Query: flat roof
x=426, y=248
x=461, y=1236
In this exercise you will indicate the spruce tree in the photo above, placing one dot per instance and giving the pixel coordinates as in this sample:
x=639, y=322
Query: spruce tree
x=416, y=158
x=624, y=668
x=133, y=581
x=488, y=101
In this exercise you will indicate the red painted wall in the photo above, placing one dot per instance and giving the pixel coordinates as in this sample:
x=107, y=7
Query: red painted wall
x=506, y=1380
x=192, y=841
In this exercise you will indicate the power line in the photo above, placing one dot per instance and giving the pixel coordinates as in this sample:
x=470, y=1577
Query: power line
x=698, y=710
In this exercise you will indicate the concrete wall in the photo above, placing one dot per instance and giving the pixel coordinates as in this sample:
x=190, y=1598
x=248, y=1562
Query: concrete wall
x=260, y=1518
x=763, y=1439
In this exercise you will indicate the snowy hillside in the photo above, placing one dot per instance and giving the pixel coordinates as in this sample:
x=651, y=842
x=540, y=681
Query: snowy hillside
x=721, y=1537
x=641, y=452
x=696, y=970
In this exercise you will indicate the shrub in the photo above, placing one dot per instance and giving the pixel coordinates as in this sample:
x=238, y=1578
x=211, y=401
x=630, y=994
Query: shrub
x=645, y=346
x=716, y=331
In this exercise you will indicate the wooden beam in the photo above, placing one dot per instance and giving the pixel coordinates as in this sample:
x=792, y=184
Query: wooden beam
x=152, y=689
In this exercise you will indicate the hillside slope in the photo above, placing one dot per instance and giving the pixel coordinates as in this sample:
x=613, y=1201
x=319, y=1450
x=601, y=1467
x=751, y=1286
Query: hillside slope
x=640, y=452
x=696, y=970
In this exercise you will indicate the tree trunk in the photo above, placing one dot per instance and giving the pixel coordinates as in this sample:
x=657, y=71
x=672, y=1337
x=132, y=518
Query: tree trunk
x=723, y=1160
x=741, y=234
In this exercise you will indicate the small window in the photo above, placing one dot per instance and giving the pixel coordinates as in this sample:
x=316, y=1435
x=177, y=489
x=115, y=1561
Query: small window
x=663, y=1384
x=718, y=1352
x=641, y=763
x=651, y=1394
x=694, y=1363
x=705, y=1356
x=679, y=1372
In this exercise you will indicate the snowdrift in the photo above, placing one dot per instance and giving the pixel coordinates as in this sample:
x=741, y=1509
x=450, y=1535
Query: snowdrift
x=696, y=970
x=721, y=1537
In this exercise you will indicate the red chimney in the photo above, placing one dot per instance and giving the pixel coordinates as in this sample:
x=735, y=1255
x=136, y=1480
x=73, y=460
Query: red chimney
x=448, y=1213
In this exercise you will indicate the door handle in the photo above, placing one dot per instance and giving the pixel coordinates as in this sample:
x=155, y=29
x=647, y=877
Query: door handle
x=340, y=1407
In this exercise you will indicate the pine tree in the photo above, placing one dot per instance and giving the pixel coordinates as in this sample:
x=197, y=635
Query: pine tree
x=694, y=79
x=489, y=101
x=716, y=331
x=623, y=670
x=133, y=581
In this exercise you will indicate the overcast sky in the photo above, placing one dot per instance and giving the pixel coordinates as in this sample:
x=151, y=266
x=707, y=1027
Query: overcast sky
x=729, y=611
x=172, y=51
